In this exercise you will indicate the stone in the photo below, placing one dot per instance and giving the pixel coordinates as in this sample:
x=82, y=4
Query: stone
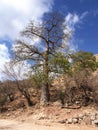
x=95, y=122
x=69, y=121
x=84, y=117
x=93, y=118
x=77, y=102
x=68, y=111
x=87, y=120
x=75, y=120
x=57, y=103
x=8, y=114
x=81, y=116
x=63, y=121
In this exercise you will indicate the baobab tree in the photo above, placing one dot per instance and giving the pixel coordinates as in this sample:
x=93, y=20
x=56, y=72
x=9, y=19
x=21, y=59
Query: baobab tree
x=39, y=44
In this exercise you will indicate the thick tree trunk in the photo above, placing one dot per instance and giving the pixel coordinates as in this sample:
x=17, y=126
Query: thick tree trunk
x=45, y=96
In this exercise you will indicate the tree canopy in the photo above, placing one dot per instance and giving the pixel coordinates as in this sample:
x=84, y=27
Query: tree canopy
x=39, y=44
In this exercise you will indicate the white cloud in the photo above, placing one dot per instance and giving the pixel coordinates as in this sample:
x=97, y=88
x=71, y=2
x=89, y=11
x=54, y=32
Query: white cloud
x=19, y=71
x=4, y=57
x=4, y=53
x=15, y=14
x=84, y=14
x=73, y=20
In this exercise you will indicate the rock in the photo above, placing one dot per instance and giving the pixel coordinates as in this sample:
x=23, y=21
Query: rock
x=57, y=103
x=75, y=120
x=84, y=119
x=81, y=116
x=95, y=122
x=77, y=102
x=8, y=114
x=93, y=118
x=68, y=111
x=69, y=121
x=63, y=121
x=66, y=105
x=87, y=120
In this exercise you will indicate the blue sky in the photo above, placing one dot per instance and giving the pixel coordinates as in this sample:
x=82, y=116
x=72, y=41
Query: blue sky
x=81, y=16
x=86, y=29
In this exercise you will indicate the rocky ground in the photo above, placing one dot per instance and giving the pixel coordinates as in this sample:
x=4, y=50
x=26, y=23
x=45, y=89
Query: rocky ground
x=51, y=117
x=15, y=125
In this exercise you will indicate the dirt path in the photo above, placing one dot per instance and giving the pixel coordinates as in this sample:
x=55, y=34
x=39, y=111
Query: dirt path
x=14, y=125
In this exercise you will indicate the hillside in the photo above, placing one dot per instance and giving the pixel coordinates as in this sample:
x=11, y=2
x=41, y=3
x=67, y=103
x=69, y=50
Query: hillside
x=52, y=116
x=96, y=57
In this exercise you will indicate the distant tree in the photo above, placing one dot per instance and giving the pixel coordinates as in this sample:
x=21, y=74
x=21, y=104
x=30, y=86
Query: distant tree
x=50, y=37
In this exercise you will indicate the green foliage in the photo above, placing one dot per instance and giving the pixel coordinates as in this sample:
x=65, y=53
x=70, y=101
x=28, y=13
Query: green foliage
x=84, y=60
x=52, y=38
x=83, y=64
x=39, y=78
x=60, y=64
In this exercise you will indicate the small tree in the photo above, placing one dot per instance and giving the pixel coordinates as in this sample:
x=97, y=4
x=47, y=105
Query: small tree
x=50, y=37
x=14, y=73
x=61, y=66
x=8, y=89
x=84, y=64
x=6, y=94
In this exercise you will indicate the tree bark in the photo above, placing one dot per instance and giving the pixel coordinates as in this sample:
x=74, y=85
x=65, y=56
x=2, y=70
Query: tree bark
x=45, y=96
